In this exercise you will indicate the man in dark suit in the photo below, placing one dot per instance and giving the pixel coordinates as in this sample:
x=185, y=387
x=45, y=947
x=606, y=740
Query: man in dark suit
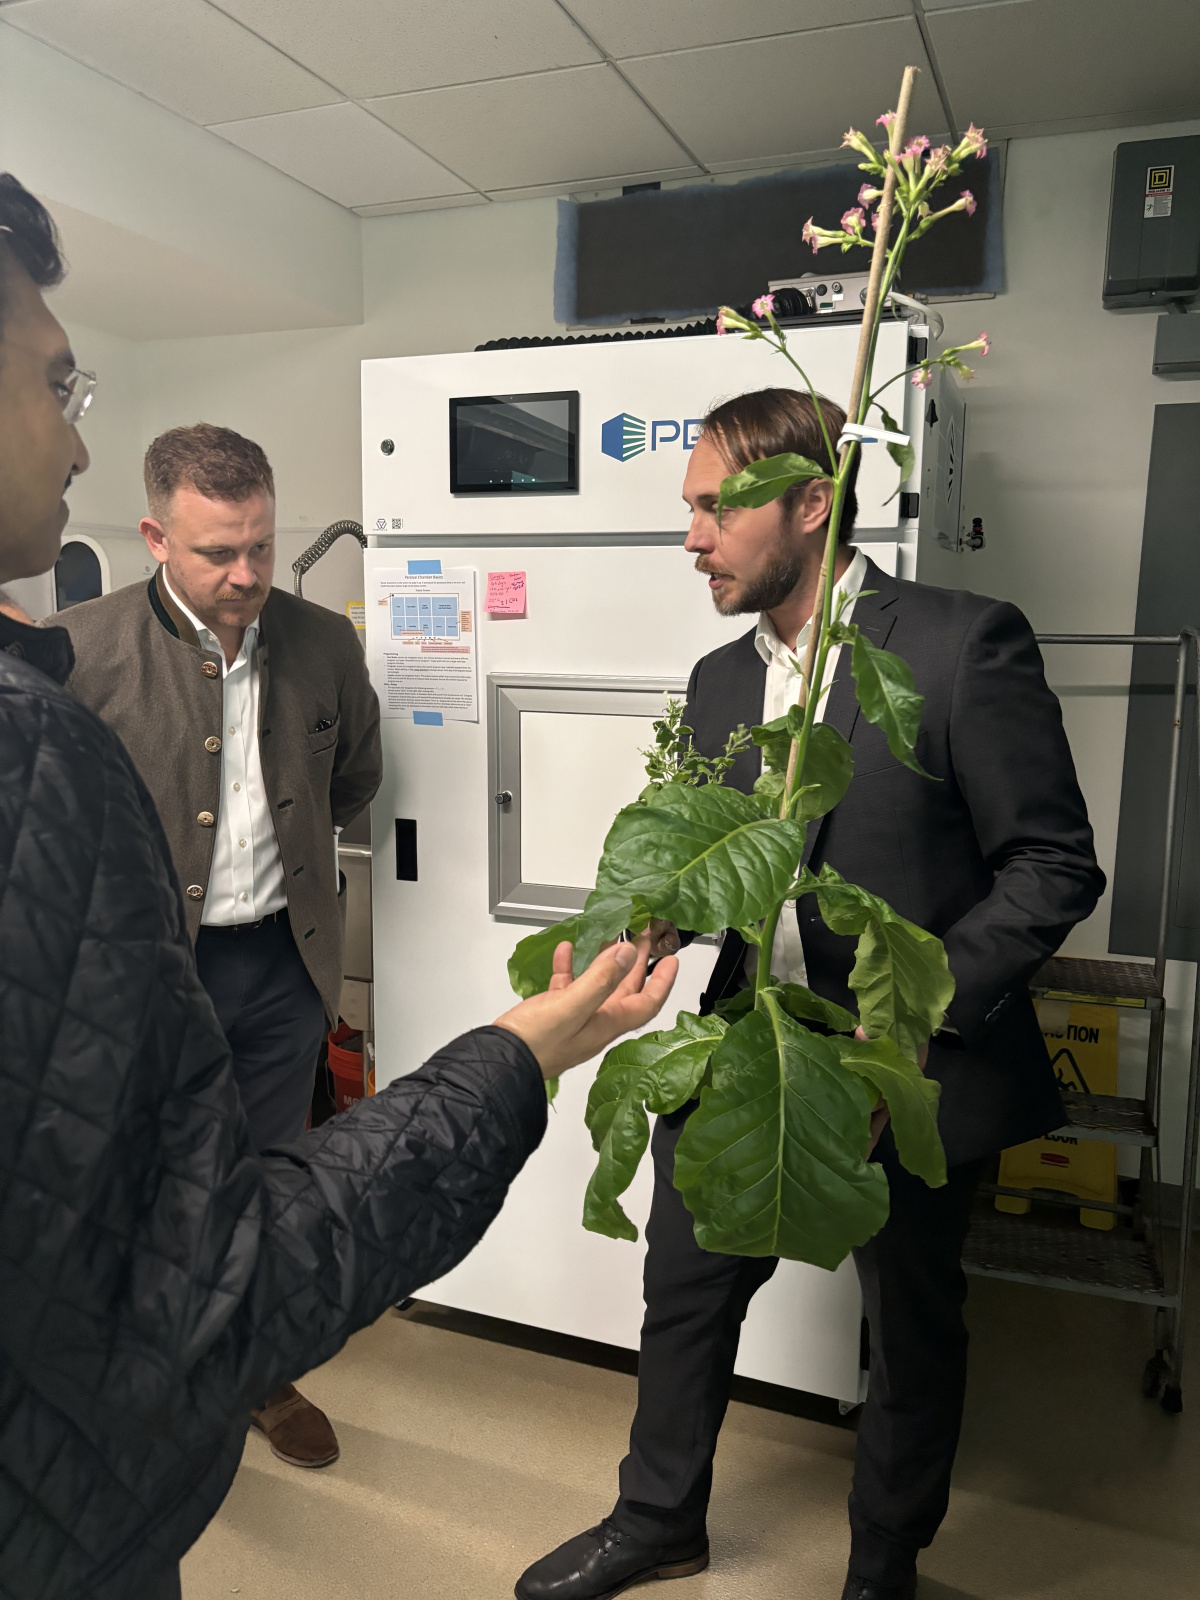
x=996, y=858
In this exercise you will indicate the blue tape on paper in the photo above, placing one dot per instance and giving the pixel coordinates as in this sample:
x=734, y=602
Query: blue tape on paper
x=424, y=569
x=427, y=719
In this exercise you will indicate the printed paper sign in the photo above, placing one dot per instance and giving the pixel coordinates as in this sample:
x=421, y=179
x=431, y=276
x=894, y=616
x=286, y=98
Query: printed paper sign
x=422, y=642
x=506, y=594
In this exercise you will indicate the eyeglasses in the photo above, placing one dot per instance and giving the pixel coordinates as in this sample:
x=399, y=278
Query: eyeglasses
x=80, y=387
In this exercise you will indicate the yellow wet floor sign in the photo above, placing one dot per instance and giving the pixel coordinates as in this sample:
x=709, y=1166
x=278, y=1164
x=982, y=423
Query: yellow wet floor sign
x=1083, y=1045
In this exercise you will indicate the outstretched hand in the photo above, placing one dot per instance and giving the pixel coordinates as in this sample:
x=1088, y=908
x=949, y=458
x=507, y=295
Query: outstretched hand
x=576, y=1018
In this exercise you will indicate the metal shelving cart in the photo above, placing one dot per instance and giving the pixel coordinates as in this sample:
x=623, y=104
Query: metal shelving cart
x=1135, y=1260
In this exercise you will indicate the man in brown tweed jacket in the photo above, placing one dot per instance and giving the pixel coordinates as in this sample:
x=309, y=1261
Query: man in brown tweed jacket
x=250, y=716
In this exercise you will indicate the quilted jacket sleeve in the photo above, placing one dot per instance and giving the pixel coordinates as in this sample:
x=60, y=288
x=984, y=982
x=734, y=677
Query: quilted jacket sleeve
x=154, y=1273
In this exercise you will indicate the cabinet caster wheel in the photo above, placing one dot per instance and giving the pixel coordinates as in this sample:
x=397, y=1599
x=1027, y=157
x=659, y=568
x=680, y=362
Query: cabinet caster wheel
x=1153, y=1377
x=1172, y=1400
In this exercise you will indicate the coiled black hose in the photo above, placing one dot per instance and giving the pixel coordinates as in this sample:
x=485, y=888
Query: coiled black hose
x=321, y=546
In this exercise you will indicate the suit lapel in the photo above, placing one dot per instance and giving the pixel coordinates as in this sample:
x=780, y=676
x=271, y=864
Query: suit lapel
x=874, y=615
x=739, y=702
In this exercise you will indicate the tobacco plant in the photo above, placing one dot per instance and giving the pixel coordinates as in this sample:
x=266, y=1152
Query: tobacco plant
x=773, y=1160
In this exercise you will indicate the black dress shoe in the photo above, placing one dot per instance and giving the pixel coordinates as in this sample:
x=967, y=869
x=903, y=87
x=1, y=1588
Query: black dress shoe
x=603, y=1561
x=868, y=1589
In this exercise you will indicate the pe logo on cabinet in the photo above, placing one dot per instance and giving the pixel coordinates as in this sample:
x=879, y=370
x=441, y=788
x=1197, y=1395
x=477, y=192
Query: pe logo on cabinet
x=623, y=436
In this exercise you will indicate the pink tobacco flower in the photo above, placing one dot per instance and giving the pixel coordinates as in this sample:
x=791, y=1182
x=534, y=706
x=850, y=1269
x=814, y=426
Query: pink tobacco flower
x=875, y=221
x=808, y=235
x=916, y=147
x=867, y=196
x=983, y=344
x=972, y=143
x=764, y=305
x=922, y=378
x=938, y=158
x=968, y=202
x=721, y=328
x=886, y=120
x=852, y=221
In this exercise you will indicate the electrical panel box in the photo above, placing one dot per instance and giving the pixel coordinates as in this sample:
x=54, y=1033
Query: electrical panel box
x=1154, y=226
x=1177, y=347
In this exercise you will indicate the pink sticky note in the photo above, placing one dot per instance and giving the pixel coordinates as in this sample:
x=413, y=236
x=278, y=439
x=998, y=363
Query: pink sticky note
x=505, y=594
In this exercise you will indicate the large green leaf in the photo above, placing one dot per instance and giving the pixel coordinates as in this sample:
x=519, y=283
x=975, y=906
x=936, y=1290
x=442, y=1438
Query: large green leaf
x=806, y=1006
x=531, y=964
x=828, y=764
x=658, y=1071
x=887, y=694
x=605, y=916
x=903, y=455
x=900, y=975
x=798, y=1002
x=912, y=1100
x=704, y=859
x=828, y=768
x=764, y=481
x=773, y=1161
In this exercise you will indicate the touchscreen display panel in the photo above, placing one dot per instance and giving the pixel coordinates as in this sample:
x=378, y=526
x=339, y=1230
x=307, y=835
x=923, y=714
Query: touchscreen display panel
x=515, y=444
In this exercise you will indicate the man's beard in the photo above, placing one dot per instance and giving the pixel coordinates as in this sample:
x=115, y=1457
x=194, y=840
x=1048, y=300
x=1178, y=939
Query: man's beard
x=769, y=590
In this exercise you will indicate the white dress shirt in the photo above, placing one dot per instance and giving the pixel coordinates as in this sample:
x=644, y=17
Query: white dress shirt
x=782, y=692
x=246, y=880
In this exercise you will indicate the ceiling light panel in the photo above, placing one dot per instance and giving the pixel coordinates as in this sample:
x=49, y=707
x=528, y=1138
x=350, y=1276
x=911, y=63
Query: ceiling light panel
x=186, y=55
x=553, y=127
x=779, y=97
x=377, y=47
x=637, y=27
x=345, y=153
x=1049, y=61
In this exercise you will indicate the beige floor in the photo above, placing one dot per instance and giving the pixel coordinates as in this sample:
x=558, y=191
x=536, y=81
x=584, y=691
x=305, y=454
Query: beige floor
x=463, y=1460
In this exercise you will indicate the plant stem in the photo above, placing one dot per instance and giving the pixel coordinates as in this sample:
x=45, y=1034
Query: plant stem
x=884, y=265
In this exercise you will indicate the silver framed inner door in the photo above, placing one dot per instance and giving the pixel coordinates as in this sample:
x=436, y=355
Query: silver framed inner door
x=555, y=785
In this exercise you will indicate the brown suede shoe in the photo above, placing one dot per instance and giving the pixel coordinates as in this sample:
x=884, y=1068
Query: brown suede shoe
x=297, y=1431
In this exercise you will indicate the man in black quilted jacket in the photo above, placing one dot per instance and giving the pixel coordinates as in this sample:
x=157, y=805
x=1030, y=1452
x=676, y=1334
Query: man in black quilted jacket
x=157, y=1278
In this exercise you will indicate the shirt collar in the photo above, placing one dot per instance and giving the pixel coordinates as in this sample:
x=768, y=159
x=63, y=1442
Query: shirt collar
x=48, y=649
x=768, y=643
x=204, y=633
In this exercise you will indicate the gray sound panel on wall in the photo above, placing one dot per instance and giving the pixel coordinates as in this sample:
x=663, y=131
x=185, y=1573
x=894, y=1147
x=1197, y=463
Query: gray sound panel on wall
x=1168, y=600
x=679, y=252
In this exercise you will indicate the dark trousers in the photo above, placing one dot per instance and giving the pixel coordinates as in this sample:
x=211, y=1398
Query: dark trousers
x=273, y=1018
x=913, y=1287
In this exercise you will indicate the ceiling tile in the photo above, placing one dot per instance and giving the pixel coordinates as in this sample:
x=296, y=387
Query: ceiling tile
x=1040, y=60
x=640, y=27
x=375, y=47
x=345, y=153
x=753, y=101
x=186, y=55
x=548, y=128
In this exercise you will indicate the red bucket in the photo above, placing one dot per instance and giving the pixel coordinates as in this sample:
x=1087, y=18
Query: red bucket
x=346, y=1065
